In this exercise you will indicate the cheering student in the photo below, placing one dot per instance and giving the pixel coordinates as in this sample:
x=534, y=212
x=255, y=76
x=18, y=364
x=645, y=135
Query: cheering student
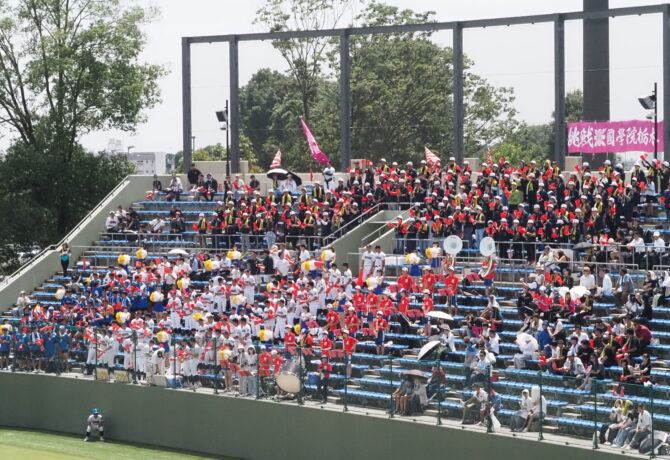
x=95, y=423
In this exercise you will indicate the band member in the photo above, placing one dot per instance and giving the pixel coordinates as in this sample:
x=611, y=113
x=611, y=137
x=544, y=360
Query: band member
x=323, y=371
x=487, y=273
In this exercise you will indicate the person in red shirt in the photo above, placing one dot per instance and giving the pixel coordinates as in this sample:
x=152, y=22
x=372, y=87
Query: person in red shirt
x=428, y=280
x=403, y=308
x=326, y=344
x=643, y=333
x=277, y=361
x=405, y=281
x=323, y=370
x=352, y=321
x=385, y=305
x=349, y=344
x=289, y=343
x=371, y=304
x=427, y=306
x=332, y=321
x=379, y=326
x=488, y=273
x=451, y=285
x=358, y=299
x=264, y=362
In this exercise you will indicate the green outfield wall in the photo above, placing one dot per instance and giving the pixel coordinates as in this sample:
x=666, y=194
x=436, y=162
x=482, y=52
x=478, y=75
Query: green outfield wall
x=250, y=429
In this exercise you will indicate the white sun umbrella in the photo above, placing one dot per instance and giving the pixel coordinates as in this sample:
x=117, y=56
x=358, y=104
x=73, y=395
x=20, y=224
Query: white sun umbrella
x=578, y=292
x=563, y=290
x=178, y=252
x=440, y=315
x=522, y=339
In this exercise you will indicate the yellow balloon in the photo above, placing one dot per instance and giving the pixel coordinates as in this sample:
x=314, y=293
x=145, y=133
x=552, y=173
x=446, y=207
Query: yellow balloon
x=60, y=293
x=407, y=259
x=156, y=296
x=268, y=287
x=141, y=254
x=208, y=265
x=296, y=328
x=124, y=259
x=197, y=316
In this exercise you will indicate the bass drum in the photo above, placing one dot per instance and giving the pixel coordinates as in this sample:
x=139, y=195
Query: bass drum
x=288, y=377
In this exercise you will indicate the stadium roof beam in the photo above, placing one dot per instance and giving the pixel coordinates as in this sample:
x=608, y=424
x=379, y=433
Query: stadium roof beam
x=345, y=93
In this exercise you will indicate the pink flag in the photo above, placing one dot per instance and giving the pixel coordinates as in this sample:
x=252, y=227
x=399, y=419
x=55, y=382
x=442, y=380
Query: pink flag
x=317, y=154
x=276, y=162
x=489, y=157
x=431, y=158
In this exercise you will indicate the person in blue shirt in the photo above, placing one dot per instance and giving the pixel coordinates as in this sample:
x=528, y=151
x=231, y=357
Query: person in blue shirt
x=36, y=346
x=544, y=338
x=5, y=347
x=469, y=360
x=22, y=350
x=49, y=350
x=63, y=348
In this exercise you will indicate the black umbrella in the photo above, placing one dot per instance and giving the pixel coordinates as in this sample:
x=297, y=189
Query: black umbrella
x=278, y=174
x=296, y=178
x=584, y=245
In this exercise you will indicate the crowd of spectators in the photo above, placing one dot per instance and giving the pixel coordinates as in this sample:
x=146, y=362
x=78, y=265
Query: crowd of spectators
x=208, y=312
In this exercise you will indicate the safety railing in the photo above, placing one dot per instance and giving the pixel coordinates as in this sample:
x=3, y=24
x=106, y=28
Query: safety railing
x=364, y=372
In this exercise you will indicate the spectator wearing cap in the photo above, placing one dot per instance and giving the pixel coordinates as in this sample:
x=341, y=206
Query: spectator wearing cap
x=201, y=227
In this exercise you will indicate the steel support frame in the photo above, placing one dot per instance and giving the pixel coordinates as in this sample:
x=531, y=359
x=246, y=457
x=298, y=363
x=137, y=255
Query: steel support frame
x=457, y=27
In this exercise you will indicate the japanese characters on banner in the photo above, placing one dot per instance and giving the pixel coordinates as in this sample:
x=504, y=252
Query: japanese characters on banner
x=613, y=136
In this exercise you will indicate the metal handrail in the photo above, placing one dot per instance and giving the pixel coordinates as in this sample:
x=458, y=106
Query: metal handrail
x=377, y=233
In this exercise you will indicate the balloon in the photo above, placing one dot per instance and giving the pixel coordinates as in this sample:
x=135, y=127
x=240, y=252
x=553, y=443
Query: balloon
x=216, y=264
x=124, y=259
x=197, y=316
x=141, y=254
x=327, y=255
x=208, y=265
x=60, y=293
x=234, y=255
x=296, y=328
x=371, y=282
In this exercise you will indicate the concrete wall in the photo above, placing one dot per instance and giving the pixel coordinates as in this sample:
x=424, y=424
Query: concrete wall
x=249, y=429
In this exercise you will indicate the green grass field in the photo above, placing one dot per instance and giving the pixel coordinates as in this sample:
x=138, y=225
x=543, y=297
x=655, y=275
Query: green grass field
x=29, y=445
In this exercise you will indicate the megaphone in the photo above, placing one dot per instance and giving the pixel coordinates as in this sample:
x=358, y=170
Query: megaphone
x=452, y=245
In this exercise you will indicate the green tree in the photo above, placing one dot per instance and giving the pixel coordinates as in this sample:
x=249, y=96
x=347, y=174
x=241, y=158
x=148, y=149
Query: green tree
x=401, y=100
x=304, y=56
x=402, y=93
x=68, y=68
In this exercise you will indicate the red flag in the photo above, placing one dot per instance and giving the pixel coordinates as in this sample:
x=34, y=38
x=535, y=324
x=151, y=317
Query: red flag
x=276, y=162
x=489, y=157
